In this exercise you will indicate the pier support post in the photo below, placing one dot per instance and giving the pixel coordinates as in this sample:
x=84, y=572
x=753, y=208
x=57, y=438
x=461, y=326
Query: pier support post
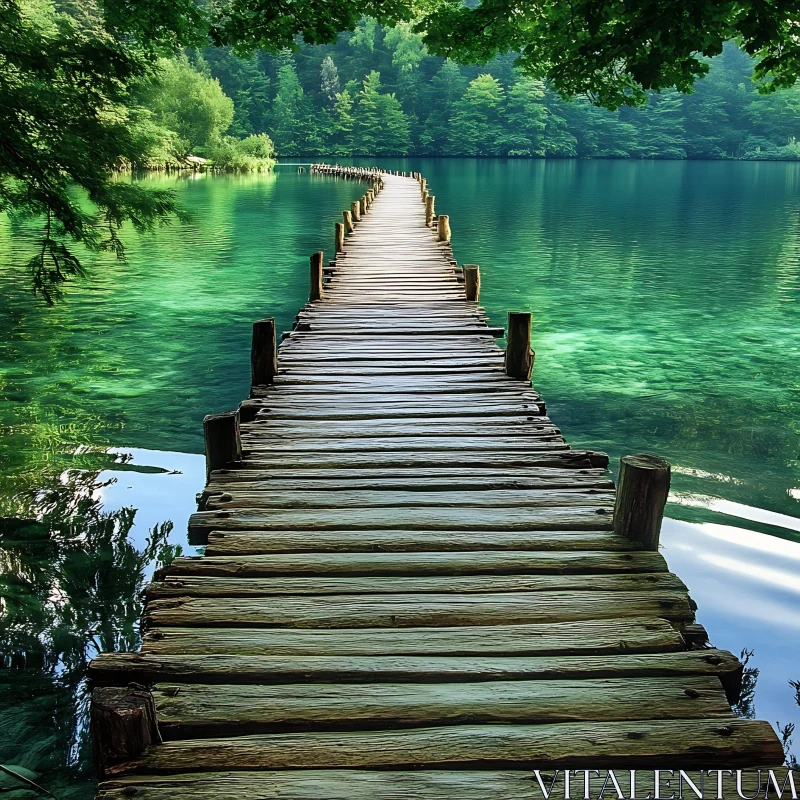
x=123, y=724
x=348, y=222
x=223, y=440
x=444, y=228
x=429, y=212
x=519, y=356
x=339, y=236
x=641, y=496
x=355, y=210
x=263, y=353
x=472, y=282
x=316, y=276
x=362, y=206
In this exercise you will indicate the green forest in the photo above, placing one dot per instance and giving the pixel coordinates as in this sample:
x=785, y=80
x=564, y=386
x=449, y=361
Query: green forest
x=378, y=91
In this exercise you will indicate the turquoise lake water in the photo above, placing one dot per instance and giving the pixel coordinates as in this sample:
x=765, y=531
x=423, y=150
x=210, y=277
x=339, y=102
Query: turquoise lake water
x=666, y=319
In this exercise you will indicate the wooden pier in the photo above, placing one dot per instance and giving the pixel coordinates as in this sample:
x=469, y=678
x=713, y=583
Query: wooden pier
x=413, y=587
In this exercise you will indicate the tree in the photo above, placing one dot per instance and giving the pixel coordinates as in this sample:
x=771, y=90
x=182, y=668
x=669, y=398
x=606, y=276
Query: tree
x=445, y=90
x=329, y=80
x=526, y=120
x=478, y=124
x=380, y=126
x=189, y=103
x=614, y=52
x=342, y=138
x=68, y=118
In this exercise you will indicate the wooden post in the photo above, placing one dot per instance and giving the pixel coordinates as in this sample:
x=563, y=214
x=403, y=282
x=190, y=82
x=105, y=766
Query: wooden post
x=425, y=198
x=348, y=222
x=339, y=237
x=263, y=353
x=429, y=212
x=316, y=276
x=363, y=205
x=472, y=282
x=519, y=356
x=355, y=210
x=641, y=496
x=444, y=228
x=223, y=440
x=123, y=724
x=423, y=186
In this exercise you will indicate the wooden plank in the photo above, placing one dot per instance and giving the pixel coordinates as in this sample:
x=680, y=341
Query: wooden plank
x=542, y=440
x=393, y=461
x=693, y=743
x=236, y=668
x=417, y=610
x=354, y=541
x=203, y=585
x=592, y=516
x=246, y=497
x=557, y=564
x=314, y=784
x=193, y=710
x=357, y=480
x=608, y=636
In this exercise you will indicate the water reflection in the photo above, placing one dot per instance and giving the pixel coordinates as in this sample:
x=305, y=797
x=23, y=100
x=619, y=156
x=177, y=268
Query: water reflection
x=71, y=576
x=747, y=588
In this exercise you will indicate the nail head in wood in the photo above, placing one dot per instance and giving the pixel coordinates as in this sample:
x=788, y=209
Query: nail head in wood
x=519, y=356
x=641, y=497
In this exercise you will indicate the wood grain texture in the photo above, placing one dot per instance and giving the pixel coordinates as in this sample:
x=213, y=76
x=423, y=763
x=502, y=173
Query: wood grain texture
x=693, y=743
x=603, y=636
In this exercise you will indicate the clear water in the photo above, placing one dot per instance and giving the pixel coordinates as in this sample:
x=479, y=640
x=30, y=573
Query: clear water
x=665, y=298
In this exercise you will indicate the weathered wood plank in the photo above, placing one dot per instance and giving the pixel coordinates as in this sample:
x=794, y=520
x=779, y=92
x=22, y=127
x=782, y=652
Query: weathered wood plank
x=246, y=497
x=506, y=564
x=417, y=610
x=593, y=516
x=354, y=541
x=194, y=710
x=635, y=635
x=203, y=585
x=693, y=743
x=247, y=669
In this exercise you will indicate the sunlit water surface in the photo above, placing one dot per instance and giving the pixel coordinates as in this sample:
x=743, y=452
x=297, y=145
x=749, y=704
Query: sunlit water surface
x=665, y=299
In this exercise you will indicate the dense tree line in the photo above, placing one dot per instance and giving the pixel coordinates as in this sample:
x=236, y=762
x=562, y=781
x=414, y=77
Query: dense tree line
x=378, y=91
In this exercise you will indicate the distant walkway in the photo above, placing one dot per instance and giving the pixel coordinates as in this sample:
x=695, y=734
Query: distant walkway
x=413, y=587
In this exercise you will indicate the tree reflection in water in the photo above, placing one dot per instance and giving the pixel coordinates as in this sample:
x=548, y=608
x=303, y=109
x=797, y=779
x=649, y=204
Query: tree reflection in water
x=70, y=587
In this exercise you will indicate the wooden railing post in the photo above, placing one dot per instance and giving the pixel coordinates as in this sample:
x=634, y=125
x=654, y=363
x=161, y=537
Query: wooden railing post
x=423, y=186
x=444, y=228
x=641, y=496
x=338, y=237
x=362, y=206
x=355, y=210
x=348, y=222
x=223, y=440
x=123, y=724
x=429, y=212
x=263, y=353
x=519, y=356
x=472, y=282
x=316, y=276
